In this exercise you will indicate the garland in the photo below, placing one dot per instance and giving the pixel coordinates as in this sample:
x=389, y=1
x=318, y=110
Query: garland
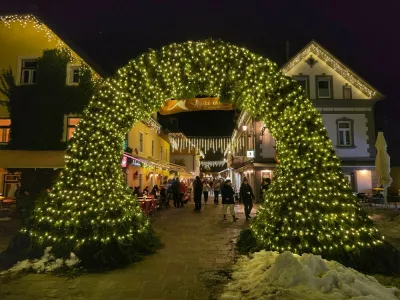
x=309, y=206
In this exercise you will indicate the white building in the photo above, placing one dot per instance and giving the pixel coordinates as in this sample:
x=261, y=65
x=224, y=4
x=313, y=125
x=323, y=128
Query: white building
x=346, y=103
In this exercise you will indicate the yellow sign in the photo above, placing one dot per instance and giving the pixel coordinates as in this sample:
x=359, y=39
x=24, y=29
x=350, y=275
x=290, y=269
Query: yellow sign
x=195, y=104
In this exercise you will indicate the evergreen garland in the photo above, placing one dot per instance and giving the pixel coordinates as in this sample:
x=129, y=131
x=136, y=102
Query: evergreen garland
x=309, y=207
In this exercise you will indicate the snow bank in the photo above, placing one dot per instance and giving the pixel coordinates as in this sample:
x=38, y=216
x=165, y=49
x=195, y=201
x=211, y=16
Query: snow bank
x=270, y=275
x=46, y=263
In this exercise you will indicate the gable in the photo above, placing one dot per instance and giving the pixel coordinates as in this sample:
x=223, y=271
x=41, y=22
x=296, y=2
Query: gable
x=327, y=64
x=25, y=36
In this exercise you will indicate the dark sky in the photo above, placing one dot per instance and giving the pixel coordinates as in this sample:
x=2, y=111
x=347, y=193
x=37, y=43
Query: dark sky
x=363, y=34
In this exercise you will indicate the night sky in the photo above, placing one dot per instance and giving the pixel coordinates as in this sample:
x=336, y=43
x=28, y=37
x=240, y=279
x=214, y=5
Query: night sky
x=363, y=36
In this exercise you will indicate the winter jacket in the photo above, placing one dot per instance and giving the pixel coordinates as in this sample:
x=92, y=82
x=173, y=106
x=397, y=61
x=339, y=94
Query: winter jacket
x=175, y=187
x=216, y=186
x=246, y=193
x=197, y=188
x=182, y=187
x=227, y=194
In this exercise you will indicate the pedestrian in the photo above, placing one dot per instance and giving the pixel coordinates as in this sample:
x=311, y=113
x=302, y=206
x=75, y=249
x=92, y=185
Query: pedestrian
x=206, y=188
x=228, y=200
x=264, y=187
x=175, y=192
x=216, y=188
x=247, y=196
x=197, y=191
x=146, y=191
x=182, y=192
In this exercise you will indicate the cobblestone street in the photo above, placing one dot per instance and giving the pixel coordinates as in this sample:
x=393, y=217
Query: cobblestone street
x=195, y=244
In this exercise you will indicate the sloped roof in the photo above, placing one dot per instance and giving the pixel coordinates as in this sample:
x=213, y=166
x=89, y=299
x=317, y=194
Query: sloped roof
x=51, y=32
x=316, y=49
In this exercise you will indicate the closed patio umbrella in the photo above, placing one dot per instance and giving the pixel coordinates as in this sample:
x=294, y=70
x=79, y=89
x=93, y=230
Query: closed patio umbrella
x=382, y=164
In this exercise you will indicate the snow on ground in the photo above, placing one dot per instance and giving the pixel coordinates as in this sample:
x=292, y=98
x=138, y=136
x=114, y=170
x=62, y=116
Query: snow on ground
x=286, y=276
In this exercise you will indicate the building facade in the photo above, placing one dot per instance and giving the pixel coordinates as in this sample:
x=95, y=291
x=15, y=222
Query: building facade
x=24, y=39
x=346, y=104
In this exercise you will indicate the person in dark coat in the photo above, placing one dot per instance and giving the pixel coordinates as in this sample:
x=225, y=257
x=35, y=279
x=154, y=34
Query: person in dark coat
x=175, y=192
x=197, y=191
x=264, y=187
x=247, y=196
x=228, y=200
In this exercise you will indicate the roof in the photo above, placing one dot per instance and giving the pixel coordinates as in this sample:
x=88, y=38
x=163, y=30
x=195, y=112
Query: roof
x=57, y=34
x=323, y=54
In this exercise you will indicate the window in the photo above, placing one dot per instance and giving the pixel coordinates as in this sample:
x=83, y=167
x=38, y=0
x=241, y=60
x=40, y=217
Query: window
x=5, y=125
x=152, y=148
x=161, y=153
x=71, y=126
x=11, y=184
x=28, y=71
x=166, y=154
x=140, y=180
x=345, y=132
x=324, y=87
x=140, y=142
x=304, y=81
x=347, y=92
x=73, y=72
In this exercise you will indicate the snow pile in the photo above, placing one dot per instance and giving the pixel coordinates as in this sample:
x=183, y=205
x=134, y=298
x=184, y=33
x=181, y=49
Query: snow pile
x=270, y=275
x=46, y=263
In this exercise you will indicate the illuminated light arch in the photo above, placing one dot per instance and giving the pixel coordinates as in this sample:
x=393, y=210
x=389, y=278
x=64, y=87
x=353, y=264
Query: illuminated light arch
x=309, y=207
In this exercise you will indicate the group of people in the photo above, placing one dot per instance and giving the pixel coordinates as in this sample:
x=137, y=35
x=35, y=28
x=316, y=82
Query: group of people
x=180, y=191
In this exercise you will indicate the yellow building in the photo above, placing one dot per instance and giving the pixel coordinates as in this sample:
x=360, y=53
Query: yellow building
x=150, y=155
x=23, y=39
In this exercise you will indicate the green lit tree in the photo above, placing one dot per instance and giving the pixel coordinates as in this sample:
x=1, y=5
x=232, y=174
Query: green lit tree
x=309, y=208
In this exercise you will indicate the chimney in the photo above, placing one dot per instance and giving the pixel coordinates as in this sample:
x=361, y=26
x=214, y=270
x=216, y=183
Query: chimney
x=287, y=50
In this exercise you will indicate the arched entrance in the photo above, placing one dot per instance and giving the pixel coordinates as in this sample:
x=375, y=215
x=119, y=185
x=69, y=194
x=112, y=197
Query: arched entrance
x=309, y=207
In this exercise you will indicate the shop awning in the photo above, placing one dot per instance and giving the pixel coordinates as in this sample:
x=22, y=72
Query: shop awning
x=31, y=159
x=157, y=163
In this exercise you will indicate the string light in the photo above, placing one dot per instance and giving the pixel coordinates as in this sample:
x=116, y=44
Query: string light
x=309, y=206
x=28, y=20
x=321, y=53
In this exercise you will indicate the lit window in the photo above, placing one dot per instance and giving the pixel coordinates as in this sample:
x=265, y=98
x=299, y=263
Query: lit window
x=345, y=132
x=71, y=126
x=5, y=125
x=347, y=92
x=140, y=142
x=304, y=83
x=324, y=87
x=28, y=71
x=73, y=74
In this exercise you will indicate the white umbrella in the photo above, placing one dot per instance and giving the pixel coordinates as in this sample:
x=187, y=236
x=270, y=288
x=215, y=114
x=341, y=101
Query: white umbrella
x=382, y=164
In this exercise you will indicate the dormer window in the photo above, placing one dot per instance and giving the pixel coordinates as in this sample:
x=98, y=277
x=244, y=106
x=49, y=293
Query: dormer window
x=73, y=74
x=304, y=81
x=29, y=71
x=324, y=87
x=347, y=92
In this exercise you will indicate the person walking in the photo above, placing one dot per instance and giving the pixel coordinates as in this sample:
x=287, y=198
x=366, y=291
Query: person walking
x=182, y=192
x=206, y=188
x=175, y=192
x=264, y=187
x=216, y=188
x=197, y=191
x=228, y=200
x=247, y=196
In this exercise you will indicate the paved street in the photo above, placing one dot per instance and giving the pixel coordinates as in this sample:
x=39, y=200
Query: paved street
x=196, y=246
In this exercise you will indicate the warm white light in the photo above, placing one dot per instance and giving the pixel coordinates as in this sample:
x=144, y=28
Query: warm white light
x=244, y=127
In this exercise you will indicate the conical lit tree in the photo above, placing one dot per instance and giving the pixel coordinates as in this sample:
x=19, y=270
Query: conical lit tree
x=309, y=207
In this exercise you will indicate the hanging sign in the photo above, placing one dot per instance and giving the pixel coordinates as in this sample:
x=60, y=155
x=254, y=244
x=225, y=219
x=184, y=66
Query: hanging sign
x=250, y=154
x=194, y=104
